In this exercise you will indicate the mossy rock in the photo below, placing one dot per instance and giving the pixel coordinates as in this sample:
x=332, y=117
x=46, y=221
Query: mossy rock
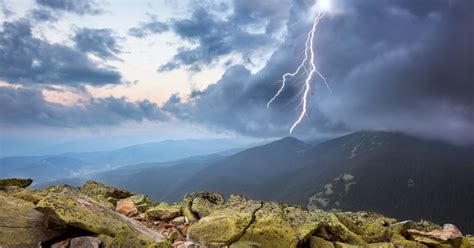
x=287, y=226
x=141, y=202
x=345, y=245
x=381, y=245
x=163, y=211
x=317, y=242
x=372, y=227
x=103, y=193
x=33, y=196
x=225, y=225
x=15, y=182
x=199, y=205
x=21, y=225
x=399, y=240
x=68, y=206
x=333, y=229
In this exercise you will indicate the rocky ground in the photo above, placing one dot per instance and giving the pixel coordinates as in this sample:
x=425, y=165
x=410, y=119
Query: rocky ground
x=96, y=215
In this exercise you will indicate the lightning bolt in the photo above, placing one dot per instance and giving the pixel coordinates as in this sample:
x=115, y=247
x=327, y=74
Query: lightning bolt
x=309, y=58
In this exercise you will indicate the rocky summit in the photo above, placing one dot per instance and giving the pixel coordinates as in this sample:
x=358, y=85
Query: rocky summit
x=96, y=215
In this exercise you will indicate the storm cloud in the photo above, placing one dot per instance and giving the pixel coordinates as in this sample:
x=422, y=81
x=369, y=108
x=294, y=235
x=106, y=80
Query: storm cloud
x=101, y=42
x=25, y=59
x=393, y=65
x=149, y=27
x=251, y=26
x=28, y=107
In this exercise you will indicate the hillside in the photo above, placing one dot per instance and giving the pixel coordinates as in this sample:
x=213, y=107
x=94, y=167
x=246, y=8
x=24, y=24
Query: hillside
x=76, y=165
x=96, y=215
x=391, y=173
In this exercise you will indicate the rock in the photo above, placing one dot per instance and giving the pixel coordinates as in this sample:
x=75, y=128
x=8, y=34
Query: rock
x=205, y=203
x=103, y=193
x=163, y=211
x=133, y=205
x=21, y=225
x=61, y=244
x=69, y=207
x=399, y=240
x=371, y=227
x=227, y=224
x=178, y=220
x=14, y=182
x=33, y=196
x=277, y=223
x=187, y=244
x=85, y=242
x=448, y=232
x=381, y=245
x=127, y=208
x=317, y=242
x=333, y=229
x=344, y=245
x=199, y=205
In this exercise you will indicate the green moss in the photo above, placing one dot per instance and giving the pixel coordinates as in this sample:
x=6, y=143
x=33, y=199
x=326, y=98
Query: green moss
x=317, y=242
x=32, y=196
x=371, y=227
x=163, y=211
x=22, y=183
x=226, y=225
x=271, y=227
x=103, y=193
x=339, y=232
x=21, y=224
x=141, y=202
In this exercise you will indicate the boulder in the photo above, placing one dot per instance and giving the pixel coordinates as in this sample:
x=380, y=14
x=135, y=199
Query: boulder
x=448, y=232
x=21, y=225
x=61, y=244
x=372, y=227
x=84, y=242
x=199, y=205
x=317, y=242
x=163, y=211
x=127, y=208
x=225, y=225
x=178, y=220
x=33, y=196
x=133, y=205
x=66, y=206
x=103, y=193
x=14, y=182
x=276, y=223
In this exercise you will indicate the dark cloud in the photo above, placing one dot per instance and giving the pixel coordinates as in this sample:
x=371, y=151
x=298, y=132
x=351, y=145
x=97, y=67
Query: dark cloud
x=101, y=42
x=43, y=15
x=80, y=7
x=251, y=26
x=27, y=107
x=393, y=65
x=25, y=59
x=152, y=26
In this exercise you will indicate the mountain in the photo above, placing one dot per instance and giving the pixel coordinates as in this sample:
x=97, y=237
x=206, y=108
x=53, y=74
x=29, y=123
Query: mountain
x=249, y=172
x=56, y=167
x=391, y=173
x=157, y=180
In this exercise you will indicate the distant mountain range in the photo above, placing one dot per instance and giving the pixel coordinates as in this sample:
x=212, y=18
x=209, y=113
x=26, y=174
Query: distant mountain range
x=392, y=173
x=70, y=165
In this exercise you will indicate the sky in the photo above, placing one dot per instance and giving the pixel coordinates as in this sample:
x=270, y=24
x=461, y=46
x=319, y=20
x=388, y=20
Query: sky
x=139, y=71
